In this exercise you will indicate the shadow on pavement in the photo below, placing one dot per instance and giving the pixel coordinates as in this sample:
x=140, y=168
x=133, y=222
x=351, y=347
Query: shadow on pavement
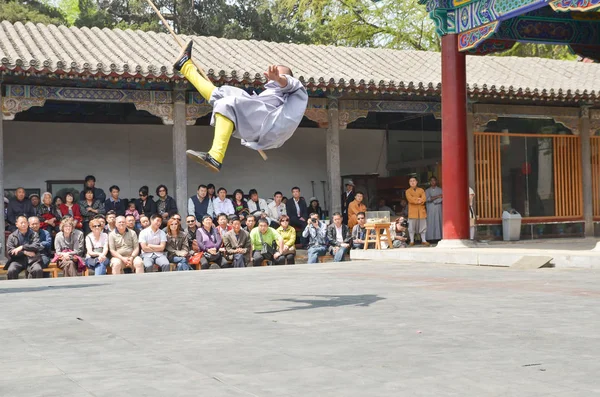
x=328, y=301
x=46, y=288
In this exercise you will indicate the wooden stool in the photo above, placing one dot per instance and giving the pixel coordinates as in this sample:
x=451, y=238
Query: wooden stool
x=376, y=238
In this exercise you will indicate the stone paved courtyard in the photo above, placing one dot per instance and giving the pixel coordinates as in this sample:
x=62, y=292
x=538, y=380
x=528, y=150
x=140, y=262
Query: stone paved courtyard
x=349, y=329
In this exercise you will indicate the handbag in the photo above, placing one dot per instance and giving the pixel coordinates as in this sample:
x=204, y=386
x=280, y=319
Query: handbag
x=195, y=259
x=267, y=251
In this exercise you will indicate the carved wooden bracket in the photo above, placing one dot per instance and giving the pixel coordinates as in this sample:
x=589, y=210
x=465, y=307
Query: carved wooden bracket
x=571, y=123
x=194, y=112
x=12, y=106
x=481, y=120
x=162, y=110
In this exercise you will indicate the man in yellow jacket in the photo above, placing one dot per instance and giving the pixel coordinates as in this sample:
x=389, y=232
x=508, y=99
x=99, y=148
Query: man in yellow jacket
x=417, y=214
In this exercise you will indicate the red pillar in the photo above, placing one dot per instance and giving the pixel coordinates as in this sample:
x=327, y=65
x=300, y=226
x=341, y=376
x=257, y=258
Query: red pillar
x=455, y=175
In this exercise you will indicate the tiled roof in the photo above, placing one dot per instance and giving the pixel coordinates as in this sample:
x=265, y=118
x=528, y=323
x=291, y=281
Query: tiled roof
x=44, y=49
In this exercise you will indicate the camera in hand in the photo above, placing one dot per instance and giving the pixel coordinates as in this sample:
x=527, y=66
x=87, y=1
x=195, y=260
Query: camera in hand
x=404, y=223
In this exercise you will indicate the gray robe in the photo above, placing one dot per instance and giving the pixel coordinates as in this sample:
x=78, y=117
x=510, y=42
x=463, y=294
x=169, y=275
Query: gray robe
x=263, y=121
x=434, y=214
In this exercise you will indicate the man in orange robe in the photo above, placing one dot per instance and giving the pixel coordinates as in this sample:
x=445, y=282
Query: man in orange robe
x=417, y=214
x=354, y=208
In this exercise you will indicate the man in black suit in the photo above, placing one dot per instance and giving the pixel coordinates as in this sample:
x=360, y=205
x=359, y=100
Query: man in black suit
x=297, y=209
x=347, y=198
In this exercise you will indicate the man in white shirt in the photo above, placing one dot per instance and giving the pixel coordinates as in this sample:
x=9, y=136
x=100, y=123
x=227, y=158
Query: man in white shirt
x=153, y=241
x=276, y=209
x=339, y=237
x=221, y=204
x=257, y=206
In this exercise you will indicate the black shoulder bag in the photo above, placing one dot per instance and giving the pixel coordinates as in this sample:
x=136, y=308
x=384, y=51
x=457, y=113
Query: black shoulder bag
x=267, y=251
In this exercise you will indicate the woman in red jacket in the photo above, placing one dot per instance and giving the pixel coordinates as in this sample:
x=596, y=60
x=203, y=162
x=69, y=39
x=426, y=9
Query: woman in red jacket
x=70, y=207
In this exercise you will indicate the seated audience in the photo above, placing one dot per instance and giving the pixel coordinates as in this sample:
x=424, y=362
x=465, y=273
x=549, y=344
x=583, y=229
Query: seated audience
x=210, y=243
x=177, y=217
x=90, y=207
x=359, y=232
x=144, y=222
x=200, y=205
x=23, y=251
x=404, y=208
x=264, y=235
x=192, y=228
x=45, y=240
x=114, y=202
x=178, y=249
x=134, y=212
x=145, y=205
x=49, y=214
x=71, y=208
x=129, y=222
x=165, y=204
x=257, y=206
x=399, y=233
x=153, y=242
x=354, y=208
x=297, y=210
x=69, y=247
x=34, y=199
x=314, y=207
x=90, y=183
x=124, y=248
x=221, y=204
x=96, y=244
x=288, y=234
x=250, y=223
x=210, y=191
x=340, y=238
x=237, y=244
x=240, y=206
x=382, y=206
x=17, y=206
x=111, y=220
x=223, y=225
x=316, y=234
x=276, y=209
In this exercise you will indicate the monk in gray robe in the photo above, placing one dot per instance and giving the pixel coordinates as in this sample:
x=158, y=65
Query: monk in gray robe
x=434, y=210
x=262, y=122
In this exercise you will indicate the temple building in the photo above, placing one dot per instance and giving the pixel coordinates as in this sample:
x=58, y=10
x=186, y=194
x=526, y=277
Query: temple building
x=79, y=101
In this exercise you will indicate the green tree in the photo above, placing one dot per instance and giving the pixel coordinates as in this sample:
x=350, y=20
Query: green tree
x=30, y=11
x=400, y=24
x=540, y=51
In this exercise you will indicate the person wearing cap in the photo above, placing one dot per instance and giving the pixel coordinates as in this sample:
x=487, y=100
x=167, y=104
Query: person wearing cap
x=472, y=216
x=34, y=198
x=90, y=183
x=315, y=207
x=19, y=205
x=347, y=198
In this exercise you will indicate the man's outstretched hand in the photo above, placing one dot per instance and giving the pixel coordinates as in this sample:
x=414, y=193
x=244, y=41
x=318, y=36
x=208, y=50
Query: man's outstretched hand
x=272, y=73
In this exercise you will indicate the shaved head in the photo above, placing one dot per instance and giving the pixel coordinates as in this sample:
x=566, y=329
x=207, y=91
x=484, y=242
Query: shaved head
x=285, y=70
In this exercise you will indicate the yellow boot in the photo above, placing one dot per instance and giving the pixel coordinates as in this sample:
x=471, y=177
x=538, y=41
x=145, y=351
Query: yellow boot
x=185, y=65
x=214, y=158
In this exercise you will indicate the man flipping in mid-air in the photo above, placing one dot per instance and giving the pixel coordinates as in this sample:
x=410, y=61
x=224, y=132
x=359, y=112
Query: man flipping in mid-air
x=262, y=121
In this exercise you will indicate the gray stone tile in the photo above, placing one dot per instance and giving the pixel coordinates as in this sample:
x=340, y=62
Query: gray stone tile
x=42, y=386
x=353, y=329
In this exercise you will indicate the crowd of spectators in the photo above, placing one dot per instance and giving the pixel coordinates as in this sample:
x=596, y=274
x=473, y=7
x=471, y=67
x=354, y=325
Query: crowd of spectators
x=99, y=233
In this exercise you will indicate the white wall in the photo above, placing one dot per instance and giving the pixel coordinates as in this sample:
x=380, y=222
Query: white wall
x=134, y=155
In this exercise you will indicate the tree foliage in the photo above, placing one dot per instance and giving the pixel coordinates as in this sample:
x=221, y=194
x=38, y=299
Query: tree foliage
x=400, y=24
x=540, y=51
x=30, y=11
